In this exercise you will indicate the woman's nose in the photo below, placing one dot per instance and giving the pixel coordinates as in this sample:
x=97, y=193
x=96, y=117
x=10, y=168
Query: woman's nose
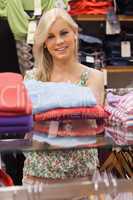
x=59, y=40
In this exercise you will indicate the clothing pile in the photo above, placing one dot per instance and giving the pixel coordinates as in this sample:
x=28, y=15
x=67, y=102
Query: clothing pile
x=125, y=7
x=15, y=104
x=58, y=109
x=120, y=107
x=91, y=51
x=113, y=45
x=78, y=7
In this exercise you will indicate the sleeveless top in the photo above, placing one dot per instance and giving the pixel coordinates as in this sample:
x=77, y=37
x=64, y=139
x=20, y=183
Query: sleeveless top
x=61, y=164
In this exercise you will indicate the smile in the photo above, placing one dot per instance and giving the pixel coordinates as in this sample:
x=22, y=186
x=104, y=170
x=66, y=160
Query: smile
x=61, y=49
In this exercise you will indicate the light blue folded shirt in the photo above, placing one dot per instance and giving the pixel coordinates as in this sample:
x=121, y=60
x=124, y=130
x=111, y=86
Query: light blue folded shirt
x=66, y=142
x=50, y=95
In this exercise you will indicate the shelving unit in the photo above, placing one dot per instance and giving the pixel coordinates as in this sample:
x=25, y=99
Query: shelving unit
x=70, y=190
x=101, y=18
x=119, y=69
x=102, y=140
x=112, y=72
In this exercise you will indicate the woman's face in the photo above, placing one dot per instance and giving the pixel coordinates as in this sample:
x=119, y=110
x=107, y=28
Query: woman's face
x=60, y=41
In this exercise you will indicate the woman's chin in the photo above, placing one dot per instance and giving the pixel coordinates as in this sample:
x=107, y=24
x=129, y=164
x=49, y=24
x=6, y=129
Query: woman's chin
x=62, y=57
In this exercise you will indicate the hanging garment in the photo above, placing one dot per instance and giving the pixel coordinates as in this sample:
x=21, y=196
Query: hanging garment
x=17, y=17
x=25, y=55
x=3, y=4
x=5, y=179
x=14, y=164
x=8, y=53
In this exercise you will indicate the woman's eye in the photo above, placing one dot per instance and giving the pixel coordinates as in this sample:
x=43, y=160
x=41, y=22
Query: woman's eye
x=50, y=36
x=64, y=33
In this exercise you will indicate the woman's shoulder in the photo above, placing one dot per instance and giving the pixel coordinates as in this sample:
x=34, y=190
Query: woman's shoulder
x=94, y=76
x=96, y=83
x=91, y=72
x=30, y=74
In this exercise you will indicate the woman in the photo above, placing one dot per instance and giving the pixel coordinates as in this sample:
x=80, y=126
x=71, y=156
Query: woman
x=55, y=51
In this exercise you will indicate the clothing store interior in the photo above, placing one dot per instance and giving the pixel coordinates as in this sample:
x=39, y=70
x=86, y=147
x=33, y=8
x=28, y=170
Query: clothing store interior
x=66, y=99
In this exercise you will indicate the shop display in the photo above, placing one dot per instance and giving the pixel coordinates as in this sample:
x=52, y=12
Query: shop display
x=32, y=120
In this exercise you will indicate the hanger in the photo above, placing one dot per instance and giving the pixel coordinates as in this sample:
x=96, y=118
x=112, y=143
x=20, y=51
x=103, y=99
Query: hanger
x=124, y=163
x=112, y=163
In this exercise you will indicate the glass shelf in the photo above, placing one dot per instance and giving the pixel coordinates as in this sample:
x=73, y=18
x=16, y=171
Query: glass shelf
x=103, y=140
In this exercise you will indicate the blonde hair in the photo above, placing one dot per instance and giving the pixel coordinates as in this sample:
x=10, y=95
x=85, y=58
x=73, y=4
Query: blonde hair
x=43, y=59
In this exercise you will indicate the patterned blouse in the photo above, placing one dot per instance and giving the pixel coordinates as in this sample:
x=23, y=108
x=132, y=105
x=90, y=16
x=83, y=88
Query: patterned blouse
x=60, y=164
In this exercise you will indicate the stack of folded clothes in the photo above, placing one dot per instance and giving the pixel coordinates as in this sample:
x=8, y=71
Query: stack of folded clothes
x=120, y=121
x=15, y=104
x=78, y=7
x=91, y=51
x=112, y=46
x=58, y=109
x=125, y=7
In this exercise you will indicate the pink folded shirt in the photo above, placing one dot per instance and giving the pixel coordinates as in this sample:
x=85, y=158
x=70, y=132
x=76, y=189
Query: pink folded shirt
x=13, y=94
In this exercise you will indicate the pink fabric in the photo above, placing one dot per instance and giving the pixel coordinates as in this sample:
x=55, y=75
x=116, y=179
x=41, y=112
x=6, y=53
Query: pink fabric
x=126, y=103
x=13, y=95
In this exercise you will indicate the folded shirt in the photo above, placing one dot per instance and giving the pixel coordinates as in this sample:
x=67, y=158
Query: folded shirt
x=11, y=77
x=64, y=141
x=15, y=129
x=72, y=113
x=16, y=121
x=68, y=129
x=50, y=95
x=13, y=94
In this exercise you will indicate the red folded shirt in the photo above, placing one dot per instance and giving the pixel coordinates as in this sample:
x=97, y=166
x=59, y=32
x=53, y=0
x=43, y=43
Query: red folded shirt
x=89, y=7
x=82, y=131
x=72, y=113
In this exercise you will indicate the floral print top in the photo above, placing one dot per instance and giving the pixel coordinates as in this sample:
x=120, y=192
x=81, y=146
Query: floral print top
x=60, y=164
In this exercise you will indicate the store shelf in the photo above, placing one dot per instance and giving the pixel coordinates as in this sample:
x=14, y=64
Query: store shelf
x=101, y=18
x=119, y=69
x=73, y=189
x=26, y=145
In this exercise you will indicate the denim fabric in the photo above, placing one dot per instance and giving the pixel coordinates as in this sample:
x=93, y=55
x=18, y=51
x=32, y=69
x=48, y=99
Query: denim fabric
x=90, y=39
x=91, y=47
x=125, y=7
x=112, y=48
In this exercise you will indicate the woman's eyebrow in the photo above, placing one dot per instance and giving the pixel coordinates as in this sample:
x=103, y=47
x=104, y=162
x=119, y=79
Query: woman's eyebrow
x=64, y=29
x=49, y=34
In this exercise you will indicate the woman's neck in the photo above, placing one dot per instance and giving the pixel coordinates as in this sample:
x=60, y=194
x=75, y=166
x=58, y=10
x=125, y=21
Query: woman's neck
x=64, y=66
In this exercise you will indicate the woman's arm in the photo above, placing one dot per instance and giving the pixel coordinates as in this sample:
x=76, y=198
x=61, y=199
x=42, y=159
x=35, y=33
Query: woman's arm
x=96, y=84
